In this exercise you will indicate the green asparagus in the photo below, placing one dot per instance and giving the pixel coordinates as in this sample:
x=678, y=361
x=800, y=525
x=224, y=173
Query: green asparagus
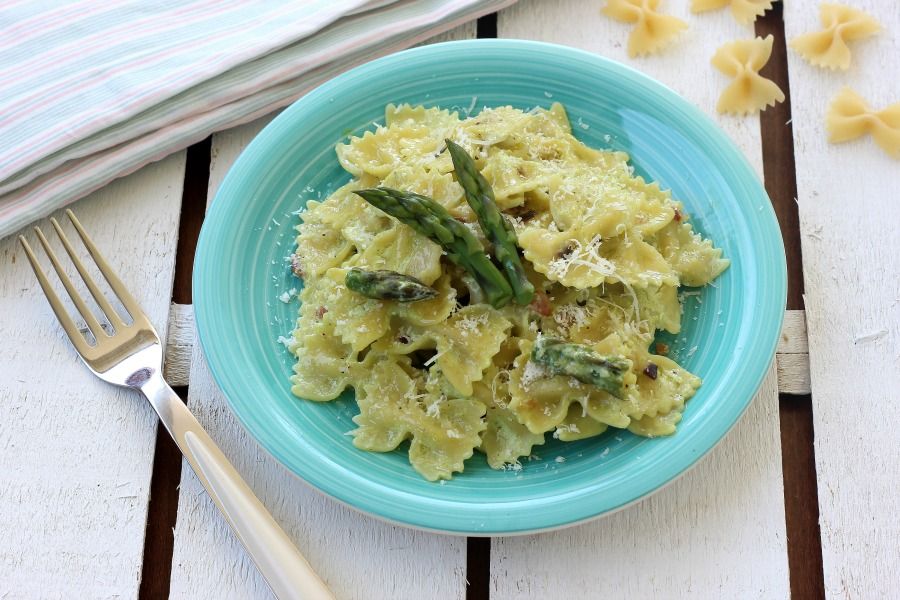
x=496, y=227
x=433, y=221
x=387, y=285
x=582, y=363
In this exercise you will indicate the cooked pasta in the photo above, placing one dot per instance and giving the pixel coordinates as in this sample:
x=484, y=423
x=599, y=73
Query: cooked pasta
x=840, y=24
x=744, y=11
x=849, y=117
x=605, y=252
x=652, y=30
x=749, y=91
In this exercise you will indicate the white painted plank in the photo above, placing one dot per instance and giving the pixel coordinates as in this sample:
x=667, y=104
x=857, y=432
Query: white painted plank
x=852, y=298
x=358, y=556
x=76, y=455
x=793, y=333
x=720, y=530
x=179, y=345
x=793, y=373
x=792, y=358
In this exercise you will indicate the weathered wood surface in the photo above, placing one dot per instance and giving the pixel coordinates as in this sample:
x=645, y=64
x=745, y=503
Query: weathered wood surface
x=847, y=196
x=179, y=345
x=76, y=454
x=719, y=531
x=792, y=356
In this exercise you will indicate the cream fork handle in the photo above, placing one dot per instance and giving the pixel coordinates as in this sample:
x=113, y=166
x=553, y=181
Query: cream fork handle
x=286, y=571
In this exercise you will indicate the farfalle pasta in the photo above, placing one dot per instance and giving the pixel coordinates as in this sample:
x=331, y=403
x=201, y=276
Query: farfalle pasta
x=849, y=117
x=840, y=24
x=451, y=373
x=744, y=11
x=652, y=30
x=749, y=91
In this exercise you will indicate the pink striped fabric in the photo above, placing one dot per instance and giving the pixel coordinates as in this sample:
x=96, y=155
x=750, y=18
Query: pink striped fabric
x=91, y=90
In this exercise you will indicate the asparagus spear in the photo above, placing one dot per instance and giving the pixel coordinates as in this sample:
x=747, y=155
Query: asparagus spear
x=496, y=228
x=433, y=221
x=387, y=285
x=582, y=363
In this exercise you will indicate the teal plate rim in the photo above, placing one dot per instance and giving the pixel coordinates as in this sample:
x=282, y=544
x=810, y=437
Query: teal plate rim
x=757, y=339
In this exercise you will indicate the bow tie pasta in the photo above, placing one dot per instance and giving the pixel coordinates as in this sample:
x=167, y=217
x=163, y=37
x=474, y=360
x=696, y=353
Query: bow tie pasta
x=840, y=24
x=602, y=256
x=849, y=117
x=749, y=91
x=652, y=30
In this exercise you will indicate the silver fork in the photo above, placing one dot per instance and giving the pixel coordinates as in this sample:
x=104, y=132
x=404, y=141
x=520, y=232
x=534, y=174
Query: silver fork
x=131, y=356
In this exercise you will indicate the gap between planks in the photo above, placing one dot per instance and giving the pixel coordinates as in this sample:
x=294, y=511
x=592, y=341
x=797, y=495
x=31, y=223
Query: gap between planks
x=795, y=412
x=792, y=355
x=167, y=460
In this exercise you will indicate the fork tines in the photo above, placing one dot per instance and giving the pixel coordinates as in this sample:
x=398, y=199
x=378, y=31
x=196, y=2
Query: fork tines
x=118, y=288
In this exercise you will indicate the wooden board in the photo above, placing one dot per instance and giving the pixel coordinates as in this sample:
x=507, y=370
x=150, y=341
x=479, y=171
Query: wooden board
x=76, y=454
x=358, y=556
x=719, y=531
x=849, y=191
x=179, y=345
x=792, y=355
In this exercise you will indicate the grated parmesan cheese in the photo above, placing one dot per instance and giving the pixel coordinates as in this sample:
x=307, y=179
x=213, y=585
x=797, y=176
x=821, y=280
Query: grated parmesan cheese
x=287, y=295
x=532, y=372
x=568, y=316
x=468, y=324
x=471, y=105
x=588, y=256
x=504, y=375
x=432, y=360
x=433, y=410
x=582, y=256
x=563, y=428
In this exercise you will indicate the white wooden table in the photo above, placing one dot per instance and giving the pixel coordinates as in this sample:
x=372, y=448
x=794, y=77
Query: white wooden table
x=76, y=456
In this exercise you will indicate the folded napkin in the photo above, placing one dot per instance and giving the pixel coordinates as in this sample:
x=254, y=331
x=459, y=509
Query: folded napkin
x=92, y=90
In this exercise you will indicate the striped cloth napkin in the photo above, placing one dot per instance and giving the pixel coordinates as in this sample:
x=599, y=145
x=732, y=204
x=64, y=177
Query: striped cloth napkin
x=91, y=90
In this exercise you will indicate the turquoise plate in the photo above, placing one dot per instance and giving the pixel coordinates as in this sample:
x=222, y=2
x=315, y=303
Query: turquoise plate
x=728, y=339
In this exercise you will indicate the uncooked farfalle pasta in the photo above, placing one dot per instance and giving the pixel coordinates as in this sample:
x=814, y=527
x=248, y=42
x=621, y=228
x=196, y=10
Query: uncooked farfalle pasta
x=840, y=24
x=748, y=91
x=652, y=30
x=849, y=117
x=482, y=283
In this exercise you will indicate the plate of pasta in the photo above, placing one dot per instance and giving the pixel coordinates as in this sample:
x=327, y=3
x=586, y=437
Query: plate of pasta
x=489, y=287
